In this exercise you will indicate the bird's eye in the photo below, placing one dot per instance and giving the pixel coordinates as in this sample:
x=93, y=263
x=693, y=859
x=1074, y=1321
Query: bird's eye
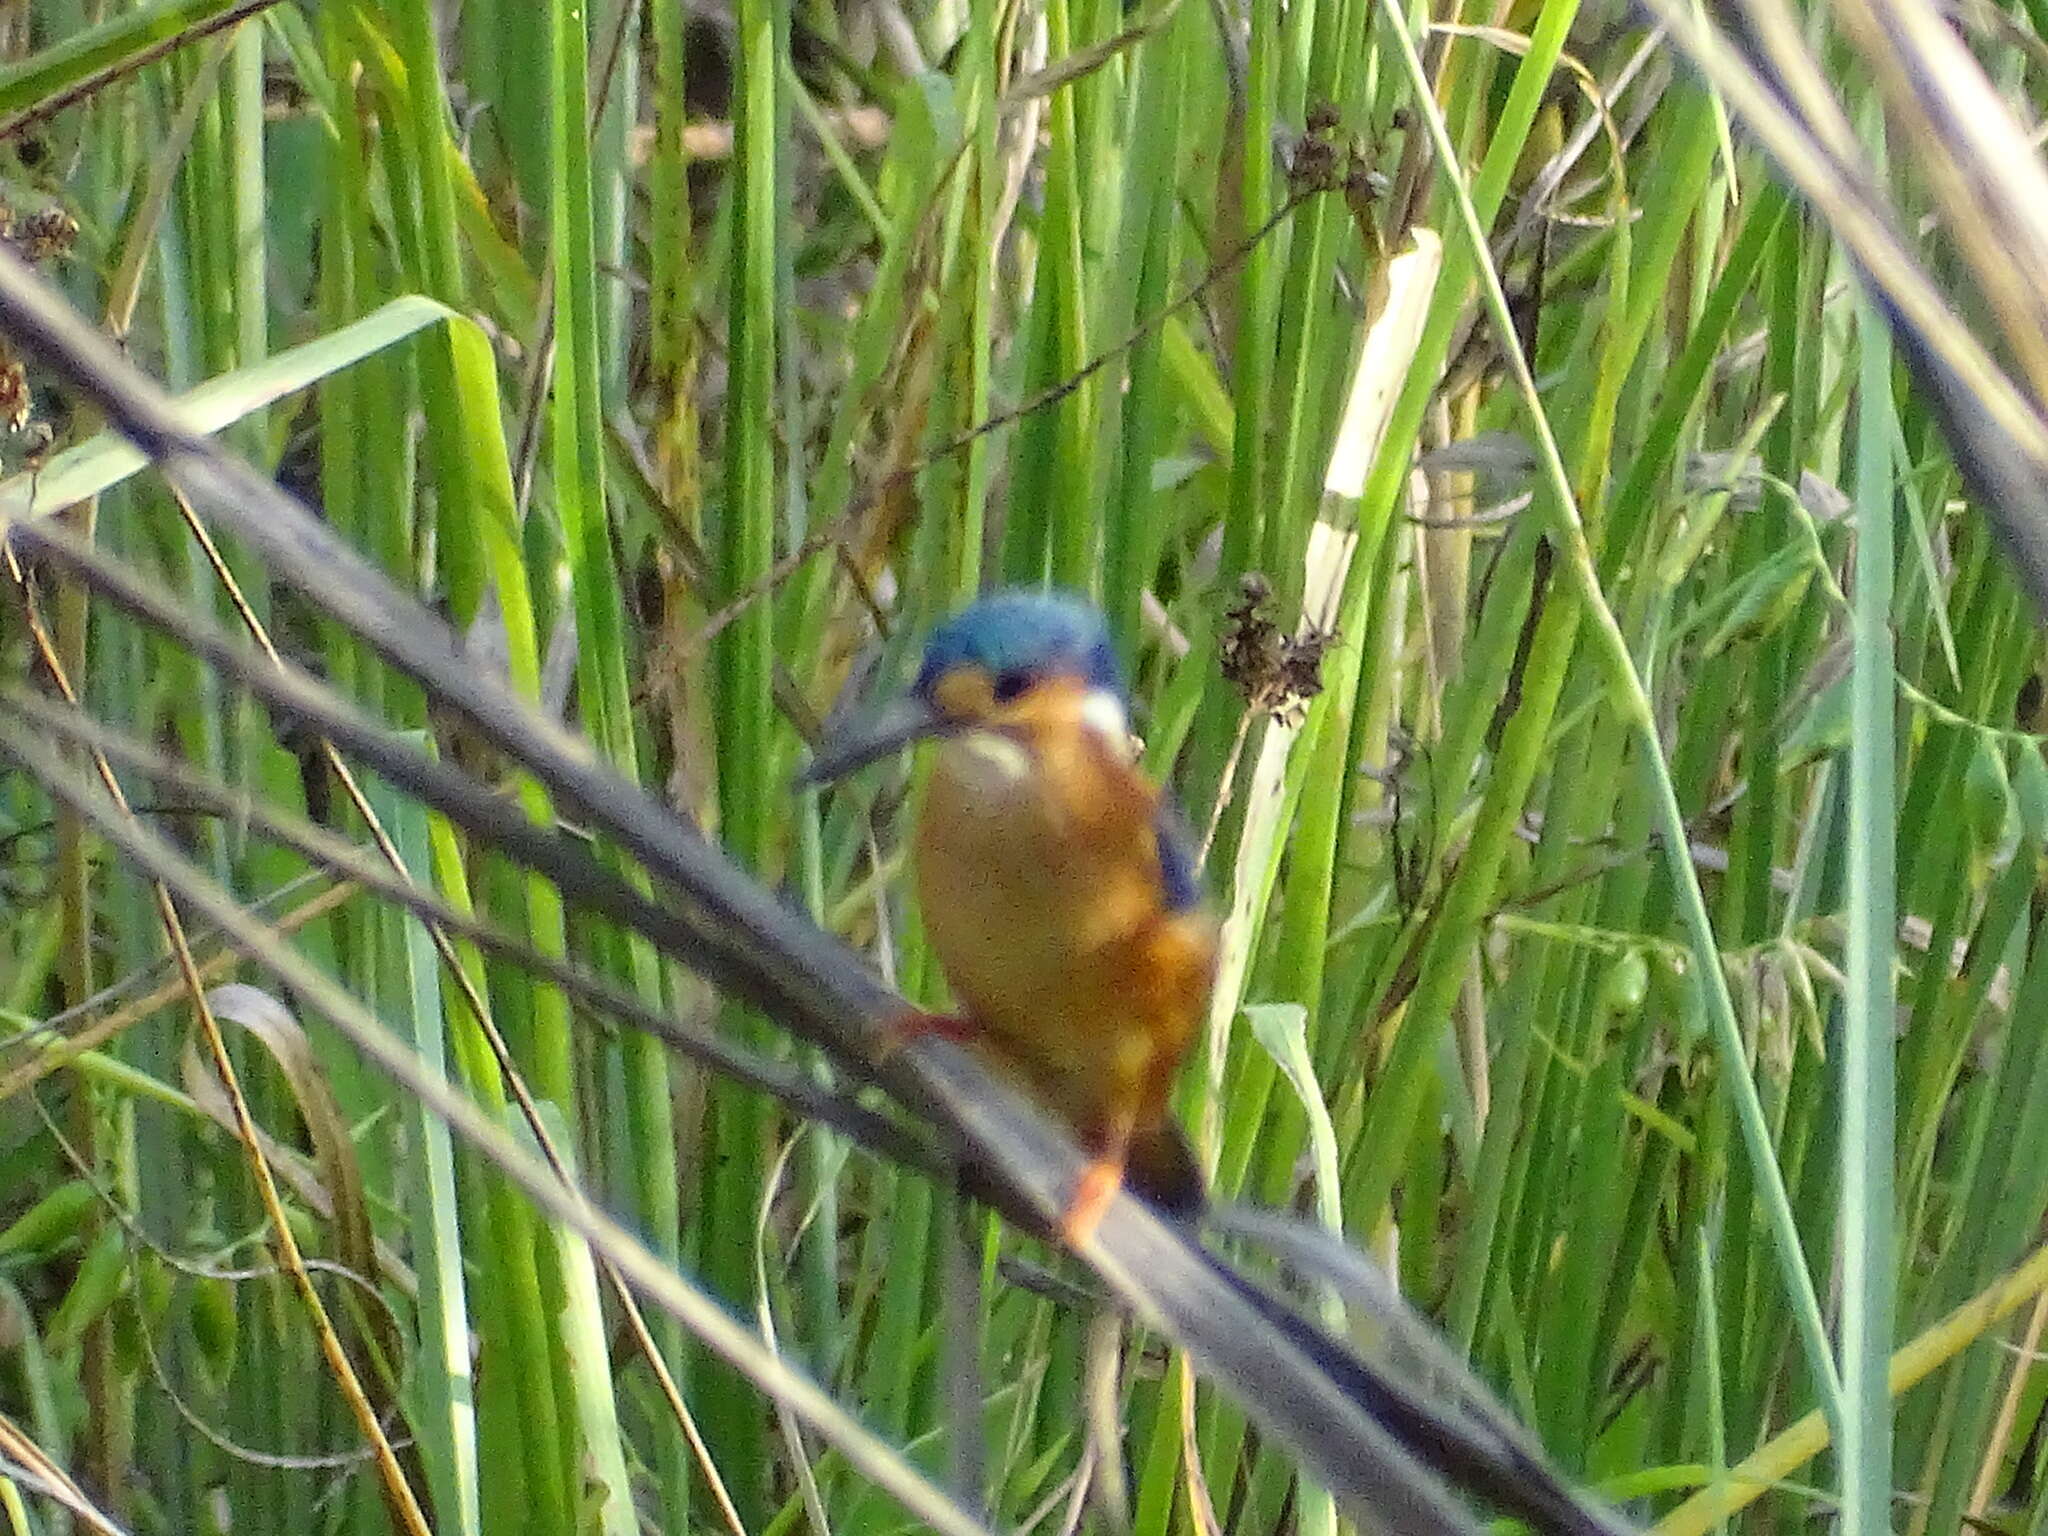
x=1011, y=685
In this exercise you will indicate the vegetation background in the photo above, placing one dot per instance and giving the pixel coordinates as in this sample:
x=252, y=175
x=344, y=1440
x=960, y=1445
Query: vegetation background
x=693, y=359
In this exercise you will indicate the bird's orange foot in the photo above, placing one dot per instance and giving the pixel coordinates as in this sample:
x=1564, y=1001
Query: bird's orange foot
x=1100, y=1181
x=914, y=1024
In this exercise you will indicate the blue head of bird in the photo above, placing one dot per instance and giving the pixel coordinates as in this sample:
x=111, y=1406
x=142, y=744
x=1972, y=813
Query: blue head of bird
x=982, y=666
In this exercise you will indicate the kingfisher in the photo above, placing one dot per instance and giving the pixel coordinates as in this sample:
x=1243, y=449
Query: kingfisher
x=1056, y=883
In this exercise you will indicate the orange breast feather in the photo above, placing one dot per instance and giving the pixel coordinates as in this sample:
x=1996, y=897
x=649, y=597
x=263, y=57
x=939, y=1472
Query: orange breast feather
x=1039, y=882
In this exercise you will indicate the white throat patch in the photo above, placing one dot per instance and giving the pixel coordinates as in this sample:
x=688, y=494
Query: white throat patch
x=988, y=762
x=1103, y=712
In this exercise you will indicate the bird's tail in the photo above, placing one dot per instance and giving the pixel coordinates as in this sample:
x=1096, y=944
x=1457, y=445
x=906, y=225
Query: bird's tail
x=1161, y=1166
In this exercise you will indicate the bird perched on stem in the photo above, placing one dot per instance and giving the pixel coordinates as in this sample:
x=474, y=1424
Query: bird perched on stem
x=1055, y=883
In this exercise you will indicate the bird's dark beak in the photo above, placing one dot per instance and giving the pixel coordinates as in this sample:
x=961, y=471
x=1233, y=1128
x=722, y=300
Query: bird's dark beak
x=869, y=738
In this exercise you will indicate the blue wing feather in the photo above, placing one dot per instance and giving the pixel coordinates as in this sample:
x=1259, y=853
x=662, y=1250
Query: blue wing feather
x=1176, y=857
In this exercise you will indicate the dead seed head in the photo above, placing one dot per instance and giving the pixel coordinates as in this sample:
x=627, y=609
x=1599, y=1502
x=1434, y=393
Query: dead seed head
x=1276, y=672
x=40, y=236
